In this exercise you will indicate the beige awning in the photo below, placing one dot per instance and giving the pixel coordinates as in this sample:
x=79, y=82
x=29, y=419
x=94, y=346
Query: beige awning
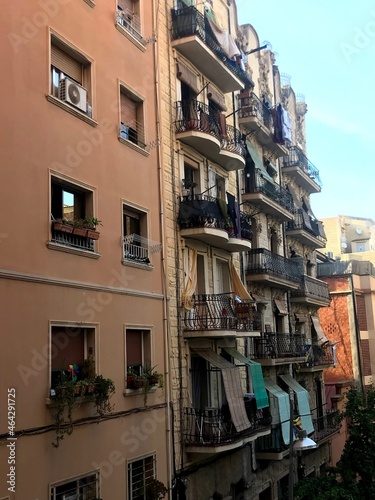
x=232, y=386
x=216, y=97
x=322, y=339
x=237, y=284
x=187, y=76
x=281, y=307
x=302, y=318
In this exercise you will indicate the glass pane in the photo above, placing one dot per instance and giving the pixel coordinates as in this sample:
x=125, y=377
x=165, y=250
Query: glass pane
x=68, y=205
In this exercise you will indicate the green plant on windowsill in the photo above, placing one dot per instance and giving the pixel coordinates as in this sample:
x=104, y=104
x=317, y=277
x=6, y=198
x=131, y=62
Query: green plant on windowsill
x=63, y=405
x=155, y=490
x=103, y=391
x=134, y=381
x=151, y=378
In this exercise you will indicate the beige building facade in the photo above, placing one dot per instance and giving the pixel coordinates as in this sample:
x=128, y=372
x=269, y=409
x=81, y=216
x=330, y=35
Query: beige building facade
x=79, y=144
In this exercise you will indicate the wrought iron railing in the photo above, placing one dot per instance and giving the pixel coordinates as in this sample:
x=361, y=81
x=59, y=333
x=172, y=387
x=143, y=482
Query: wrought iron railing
x=262, y=261
x=313, y=288
x=131, y=23
x=200, y=210
x=273, y=191
x=223, y=311
x=252, y=107
x=302, y=221
x=188, y=22
x=296, y=158
x=232, y=141
x=317, y=355
x=197, y=116
x=326, y=424
x=274, y=345
x=134, y=251
x=213, y=426
x=73, y=240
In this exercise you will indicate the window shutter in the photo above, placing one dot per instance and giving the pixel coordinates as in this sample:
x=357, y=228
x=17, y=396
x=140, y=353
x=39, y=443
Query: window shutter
x=66, y=64
x=128, y=111
x=126, y=5
x=217, y=98
x=187, y=76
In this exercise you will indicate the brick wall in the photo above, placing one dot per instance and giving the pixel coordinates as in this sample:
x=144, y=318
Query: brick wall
x=361, y=312
x=366, y=359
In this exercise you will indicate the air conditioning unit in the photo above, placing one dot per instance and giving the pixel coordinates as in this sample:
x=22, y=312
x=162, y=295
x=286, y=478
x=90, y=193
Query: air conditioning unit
x=73, y=93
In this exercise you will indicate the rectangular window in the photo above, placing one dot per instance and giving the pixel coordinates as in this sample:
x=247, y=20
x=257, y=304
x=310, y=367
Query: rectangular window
x=140, y=473
x=216, y=185
x=71, y=347
x=84, y=487
x=138, y=350
x=71, y=213
x=128, y=17
x=135, y=235
x=132, y=119
x=70, y=76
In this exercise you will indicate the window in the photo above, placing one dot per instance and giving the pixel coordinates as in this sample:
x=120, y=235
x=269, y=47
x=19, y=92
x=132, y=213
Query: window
x=69, y=347
x=135, y=235
x=73, y=205
x=132, y=123
x=360, y=247
x=70, y=77
x=138, y=350
x=128, y=17
x=83, y=487
x=216, y=185
x=191, y=180
x=140, y=473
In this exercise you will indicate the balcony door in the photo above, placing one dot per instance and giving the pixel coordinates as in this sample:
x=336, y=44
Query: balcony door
x=222, y=282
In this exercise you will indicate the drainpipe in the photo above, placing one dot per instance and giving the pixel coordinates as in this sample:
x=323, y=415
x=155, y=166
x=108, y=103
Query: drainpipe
x=164, y=280
x=357, y=333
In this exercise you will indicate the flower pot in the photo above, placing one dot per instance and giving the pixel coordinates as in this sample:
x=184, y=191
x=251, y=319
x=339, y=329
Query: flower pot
x=92, y=234
x=138, y=383
x=64, y=228
x=153, y=380
x=80, y=231
x=90, y=389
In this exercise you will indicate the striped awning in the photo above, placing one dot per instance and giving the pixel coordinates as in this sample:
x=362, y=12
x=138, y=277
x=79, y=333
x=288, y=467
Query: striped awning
x=232, y=386
x=281, y=307
x=303, y=402
x=280, y=408
x=256, y=375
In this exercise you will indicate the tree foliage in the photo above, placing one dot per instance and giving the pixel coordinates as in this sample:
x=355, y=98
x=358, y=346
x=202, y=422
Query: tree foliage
x=353, y=478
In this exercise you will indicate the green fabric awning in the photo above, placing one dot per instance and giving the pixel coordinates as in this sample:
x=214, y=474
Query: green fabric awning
x=258, y=161
x=303, y=402
x=256, y=374
x=280, y=408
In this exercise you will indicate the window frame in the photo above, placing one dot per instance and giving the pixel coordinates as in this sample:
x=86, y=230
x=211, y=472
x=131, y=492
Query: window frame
x=130, y=490
x=144, y=217
x=88, y=68
x=146, y=359
x=141, y=144
x=139, y=40
x=53, y=486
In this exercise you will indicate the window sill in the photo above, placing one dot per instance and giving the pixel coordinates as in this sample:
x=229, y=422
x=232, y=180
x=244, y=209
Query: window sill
x=51, y=402
x=75, y=251
x=135, y=392
x=71, y=110
x=134, y=263
x=130, y=37
x=131, y=144
x=90, y=2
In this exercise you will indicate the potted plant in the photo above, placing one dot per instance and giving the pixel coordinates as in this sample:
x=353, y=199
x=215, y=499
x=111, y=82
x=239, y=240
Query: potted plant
x=62, y=225
x=63, y=403
x=155, y=490
x=88, y=374
x=79, y=228
x=134, y=380
x=151, y=378
x=91, y=223
x=104, y=389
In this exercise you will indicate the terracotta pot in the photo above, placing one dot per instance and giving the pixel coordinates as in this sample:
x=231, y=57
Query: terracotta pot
x=80, y=231
x=92, y=234
x=64, y=228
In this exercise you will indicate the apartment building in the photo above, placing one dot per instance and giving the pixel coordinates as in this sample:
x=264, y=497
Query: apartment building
x=82, y=301
x=245, y=337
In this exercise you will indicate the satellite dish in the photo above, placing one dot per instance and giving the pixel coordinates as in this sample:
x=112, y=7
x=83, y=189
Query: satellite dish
x=358, y=230
x=344, y=245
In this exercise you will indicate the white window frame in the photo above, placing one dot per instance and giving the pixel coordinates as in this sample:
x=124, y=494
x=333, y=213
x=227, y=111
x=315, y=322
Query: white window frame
x=76, y=495
x=128, y=245
x=127, y=28
x=130, y=489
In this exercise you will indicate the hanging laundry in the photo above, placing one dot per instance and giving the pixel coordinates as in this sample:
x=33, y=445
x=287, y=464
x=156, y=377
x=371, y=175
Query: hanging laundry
x=224, y=39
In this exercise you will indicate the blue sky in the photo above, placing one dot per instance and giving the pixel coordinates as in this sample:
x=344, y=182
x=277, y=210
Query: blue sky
x=328, y=49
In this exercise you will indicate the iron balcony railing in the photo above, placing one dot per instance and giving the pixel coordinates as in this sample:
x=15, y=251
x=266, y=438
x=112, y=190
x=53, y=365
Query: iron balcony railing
x=274, y=345
x=312, y=288
x=73, y=240
x=272, y=443
x=189, y=21
x=250, y=106
x=317, y=355
x=326, y=423
x=273, y=191
x=214, y=427
x=296, y=158
x=198, y=210
x=223, y=311
x=302, y=221
x=232, y=141
x=135, y=251
x=262, y=261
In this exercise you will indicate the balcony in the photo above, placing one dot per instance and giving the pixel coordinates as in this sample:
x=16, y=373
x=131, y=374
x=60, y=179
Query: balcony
x=299, y=167
x=271, y=198
x=271, y=447
x=221, y=315
x=275, y=348
x=206, y=219
x=192, y=36
x=326, y=425
x=312, y=291
x=318, y=358
x=204, y=128
x=257, y=119
x=73, y=237
x=306, y=230
x=267, y=267
x=211, y=430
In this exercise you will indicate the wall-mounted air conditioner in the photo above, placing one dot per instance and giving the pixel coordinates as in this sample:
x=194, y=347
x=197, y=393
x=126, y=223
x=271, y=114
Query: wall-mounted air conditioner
x=73, y=93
